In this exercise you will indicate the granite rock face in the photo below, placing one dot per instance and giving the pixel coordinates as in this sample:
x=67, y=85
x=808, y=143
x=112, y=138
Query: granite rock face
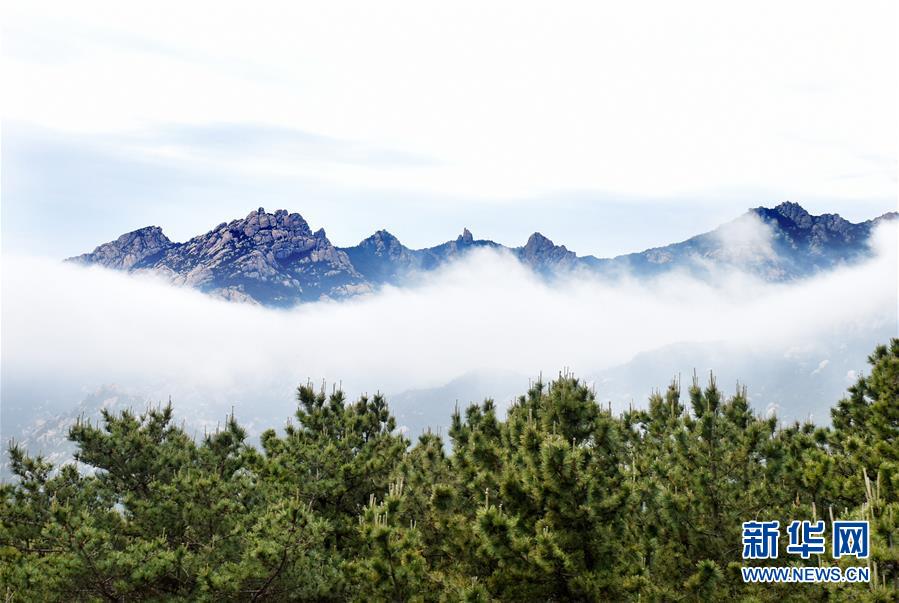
x=270, y=259
x=797, y=230
x=381, y=258
x=277, y=260
x=128, y=250
x=546, y=257
x=274, y=259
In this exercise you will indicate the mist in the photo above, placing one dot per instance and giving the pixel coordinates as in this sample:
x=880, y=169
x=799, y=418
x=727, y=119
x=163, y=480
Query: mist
x=67, y=327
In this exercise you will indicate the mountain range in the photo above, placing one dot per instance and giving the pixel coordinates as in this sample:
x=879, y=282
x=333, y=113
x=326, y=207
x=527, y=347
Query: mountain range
x=275, y=259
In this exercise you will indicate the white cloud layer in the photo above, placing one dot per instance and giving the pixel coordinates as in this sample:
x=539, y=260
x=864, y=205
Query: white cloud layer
x=486, y=313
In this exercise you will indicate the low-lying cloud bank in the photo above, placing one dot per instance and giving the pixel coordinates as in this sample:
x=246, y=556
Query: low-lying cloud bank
x=486, y=312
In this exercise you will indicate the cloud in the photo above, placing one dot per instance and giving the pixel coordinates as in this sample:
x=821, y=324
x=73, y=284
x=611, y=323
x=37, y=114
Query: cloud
x=512, y=100
x=63, y=193
x=746, y=239
x=821, y=366
x=87, y=326
x=242, y=140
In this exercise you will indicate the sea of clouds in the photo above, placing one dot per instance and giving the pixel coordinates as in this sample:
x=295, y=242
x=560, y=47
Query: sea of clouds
x=70, y=328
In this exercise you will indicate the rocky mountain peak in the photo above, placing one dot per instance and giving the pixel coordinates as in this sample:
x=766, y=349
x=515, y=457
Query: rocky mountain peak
x=794, y=212
x=380, y=240
x=381, y=258
x=268, y=258
x=466, y=237
x=537, y=242
x=798, y=228
x=127, y=250
x=385, y=235
x=150, y=237
x=542, y=254
x=147, y=232
x=281, y=220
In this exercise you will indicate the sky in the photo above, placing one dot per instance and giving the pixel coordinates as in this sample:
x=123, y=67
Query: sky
x=609, y=127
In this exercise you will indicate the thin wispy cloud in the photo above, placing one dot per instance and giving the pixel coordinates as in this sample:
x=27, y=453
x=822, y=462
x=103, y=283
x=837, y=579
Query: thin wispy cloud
x=65, y=193
x=242, y=140
x=505, y=103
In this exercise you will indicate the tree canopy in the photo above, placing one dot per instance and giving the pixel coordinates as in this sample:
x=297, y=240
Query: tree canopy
x=555, y=499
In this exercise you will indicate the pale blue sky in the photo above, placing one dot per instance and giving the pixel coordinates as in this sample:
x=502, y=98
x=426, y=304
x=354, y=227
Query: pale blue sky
x=608, y=129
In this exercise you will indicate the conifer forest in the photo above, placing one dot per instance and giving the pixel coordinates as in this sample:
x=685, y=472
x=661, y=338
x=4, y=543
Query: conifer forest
x=557, y=499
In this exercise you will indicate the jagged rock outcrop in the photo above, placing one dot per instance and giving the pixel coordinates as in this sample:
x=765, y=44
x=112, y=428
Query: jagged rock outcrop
x=544, y=256
x=381, y=258
x=433, y=257
x=818, y=235
x=271, y=259
x=128, y=250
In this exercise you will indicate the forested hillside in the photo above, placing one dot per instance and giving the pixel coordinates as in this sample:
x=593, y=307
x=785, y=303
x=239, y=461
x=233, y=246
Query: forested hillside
x=560, y=500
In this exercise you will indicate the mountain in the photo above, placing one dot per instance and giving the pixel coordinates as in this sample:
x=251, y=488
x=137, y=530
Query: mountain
x=129, y=249
x=44, y=428
x=381, y=258
x=271, y=259
x=419, y=410
x=798, y=382
x=46, y=432
x=778, y=244
x=546, y=257
x=276, y=259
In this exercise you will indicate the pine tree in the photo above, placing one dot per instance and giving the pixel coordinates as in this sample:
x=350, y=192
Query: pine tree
x=866, y=444
x=558, y=501
x=700, y=473
x=334, y=460
x=551, y=519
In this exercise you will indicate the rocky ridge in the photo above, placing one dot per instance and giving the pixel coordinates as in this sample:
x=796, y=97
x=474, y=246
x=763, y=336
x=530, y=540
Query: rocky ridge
x=277, y=260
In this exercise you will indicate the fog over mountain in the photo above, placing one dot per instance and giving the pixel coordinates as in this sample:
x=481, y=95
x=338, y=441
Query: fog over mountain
x=277, y=260
x=786, y=302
